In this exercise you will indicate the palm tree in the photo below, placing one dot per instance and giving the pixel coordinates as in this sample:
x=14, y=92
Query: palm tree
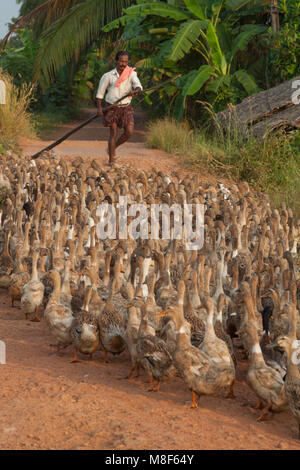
x=67, y=28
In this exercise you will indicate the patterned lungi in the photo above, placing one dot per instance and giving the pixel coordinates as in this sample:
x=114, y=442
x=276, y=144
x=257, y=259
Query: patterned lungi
x=122, y=115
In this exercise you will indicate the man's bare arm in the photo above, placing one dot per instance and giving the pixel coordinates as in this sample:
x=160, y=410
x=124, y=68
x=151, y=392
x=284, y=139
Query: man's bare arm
x=99, y=107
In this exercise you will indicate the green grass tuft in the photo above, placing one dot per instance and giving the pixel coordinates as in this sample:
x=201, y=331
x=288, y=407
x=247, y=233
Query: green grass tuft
x=271, y=166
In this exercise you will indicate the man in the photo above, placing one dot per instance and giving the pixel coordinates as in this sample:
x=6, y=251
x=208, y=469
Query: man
x=113, y=85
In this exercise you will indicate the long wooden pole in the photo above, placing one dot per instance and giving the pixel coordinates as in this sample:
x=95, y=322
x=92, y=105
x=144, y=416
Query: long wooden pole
x=84, y=123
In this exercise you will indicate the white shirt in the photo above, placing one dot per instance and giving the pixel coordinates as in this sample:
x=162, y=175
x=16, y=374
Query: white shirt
x=107, y=86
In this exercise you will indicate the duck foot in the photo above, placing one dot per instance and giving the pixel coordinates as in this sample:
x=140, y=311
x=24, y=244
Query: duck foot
x=105, y=358
x=157, y=387
x=75, y=358
x=130, y=373
x=150, y=389
x=259, y=405
x=129, y=376
x=265, y=416
x=194, y=403
x=230, y=394
x=36, y=312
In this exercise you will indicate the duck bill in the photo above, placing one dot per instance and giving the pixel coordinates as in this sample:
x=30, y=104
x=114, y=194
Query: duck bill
x=161, y=314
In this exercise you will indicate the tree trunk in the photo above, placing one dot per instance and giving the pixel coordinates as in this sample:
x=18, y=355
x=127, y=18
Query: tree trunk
x=277, y=107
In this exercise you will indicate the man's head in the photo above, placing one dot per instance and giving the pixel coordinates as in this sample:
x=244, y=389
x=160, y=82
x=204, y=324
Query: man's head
x=122, y=58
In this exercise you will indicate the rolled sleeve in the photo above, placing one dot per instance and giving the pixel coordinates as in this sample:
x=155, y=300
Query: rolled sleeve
x=135, y=81
x=103, y=84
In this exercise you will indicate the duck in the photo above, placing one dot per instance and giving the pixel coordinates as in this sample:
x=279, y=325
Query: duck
x=153, y=352
x=6, y=263
x=85, y=330
x=18, y=279
x=59, y=316
x=217, y=351
x=290, y=345
x=264, y=380
x=111, y=326
x=273, y=358
x=132, y=333
x=32, y=292
x=192, y=363
x=219, y=330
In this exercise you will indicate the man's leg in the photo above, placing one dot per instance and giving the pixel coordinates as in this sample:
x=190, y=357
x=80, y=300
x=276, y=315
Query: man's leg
x=112, y=140
x=128, y=131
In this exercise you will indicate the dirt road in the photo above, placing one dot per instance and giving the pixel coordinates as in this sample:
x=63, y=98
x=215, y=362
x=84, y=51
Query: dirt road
x=47, y=402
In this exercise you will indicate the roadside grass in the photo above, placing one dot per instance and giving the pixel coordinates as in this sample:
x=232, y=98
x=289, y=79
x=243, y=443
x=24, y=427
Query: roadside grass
x=15, y=119
x=271, y=165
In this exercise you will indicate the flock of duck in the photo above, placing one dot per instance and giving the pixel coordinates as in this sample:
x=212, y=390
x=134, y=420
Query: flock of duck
x=175, y=311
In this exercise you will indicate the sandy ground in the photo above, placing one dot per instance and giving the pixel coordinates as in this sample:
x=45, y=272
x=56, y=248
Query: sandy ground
x=46, y=402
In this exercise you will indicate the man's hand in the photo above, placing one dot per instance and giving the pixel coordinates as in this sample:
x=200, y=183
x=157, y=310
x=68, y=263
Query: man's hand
x=136, y=91
x=100, y=112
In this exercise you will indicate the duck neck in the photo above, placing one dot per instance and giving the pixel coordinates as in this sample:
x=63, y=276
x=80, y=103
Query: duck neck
x=66, y=282
x=34, y=275
x=209, y=323
x=256, y=356
x=56, y=290
x=6, y=245
x=207, y=273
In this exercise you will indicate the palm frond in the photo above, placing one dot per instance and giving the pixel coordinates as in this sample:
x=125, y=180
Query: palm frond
x=76, y=30
x=49, y=9
x=158, y=9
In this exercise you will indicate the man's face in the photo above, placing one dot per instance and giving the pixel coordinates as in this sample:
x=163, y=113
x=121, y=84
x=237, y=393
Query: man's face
x=122, y=63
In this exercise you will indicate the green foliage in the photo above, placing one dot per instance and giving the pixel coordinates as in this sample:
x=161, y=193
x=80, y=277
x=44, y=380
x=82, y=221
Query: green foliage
x=61, y=96
x=19, y=57
x=284, y=57
x=201, y=40
x=72, y=33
